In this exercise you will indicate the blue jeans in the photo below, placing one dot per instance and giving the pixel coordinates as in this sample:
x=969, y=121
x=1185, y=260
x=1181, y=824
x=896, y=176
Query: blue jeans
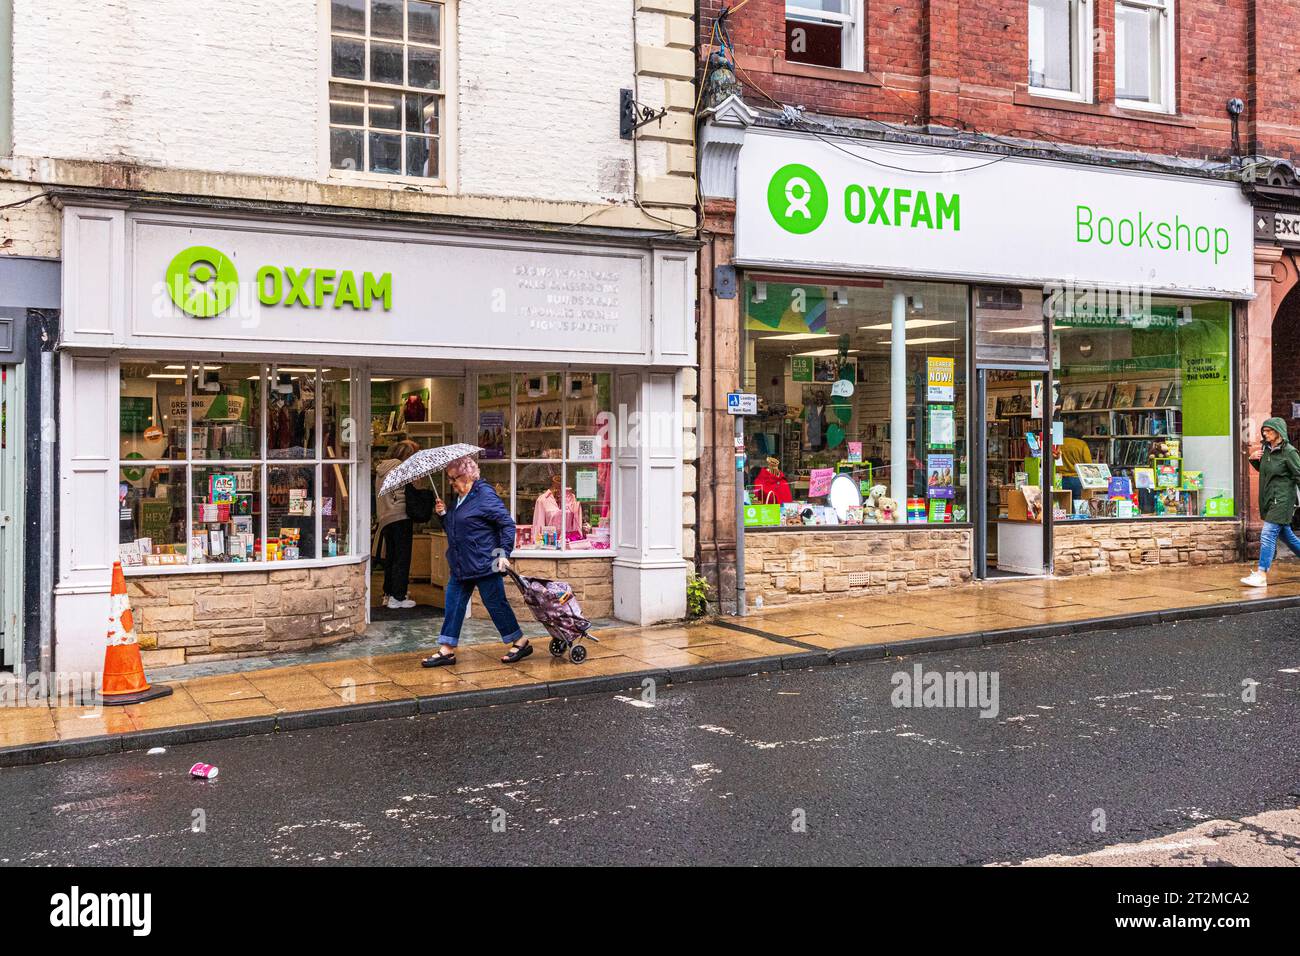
x=492, y=589
x=1268, y=543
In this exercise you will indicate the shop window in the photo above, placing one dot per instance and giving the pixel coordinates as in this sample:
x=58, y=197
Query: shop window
x=1143, y=407
x=1060, y=48
x=862, y=401
x=235, y=500
x=547, y=446
x=1144, y=54
x=824, y=33
x=387, y=86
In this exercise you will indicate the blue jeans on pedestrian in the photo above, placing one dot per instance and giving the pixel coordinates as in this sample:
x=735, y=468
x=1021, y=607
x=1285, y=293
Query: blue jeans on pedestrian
x=1268, y=543
x=492, y=589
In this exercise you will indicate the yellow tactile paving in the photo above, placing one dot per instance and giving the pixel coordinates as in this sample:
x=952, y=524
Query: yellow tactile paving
x=781, y=630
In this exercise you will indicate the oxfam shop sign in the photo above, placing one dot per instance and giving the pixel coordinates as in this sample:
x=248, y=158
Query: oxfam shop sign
x=944, y=213
x=202, y=281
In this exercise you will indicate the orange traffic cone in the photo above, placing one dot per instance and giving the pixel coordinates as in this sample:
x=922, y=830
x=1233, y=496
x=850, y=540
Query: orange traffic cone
x=124, y=680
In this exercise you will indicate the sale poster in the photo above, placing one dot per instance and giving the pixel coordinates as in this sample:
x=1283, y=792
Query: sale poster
x=942, y=379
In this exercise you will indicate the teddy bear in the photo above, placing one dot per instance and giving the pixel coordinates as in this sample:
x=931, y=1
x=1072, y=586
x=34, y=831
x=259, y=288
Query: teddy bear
x=879, y=508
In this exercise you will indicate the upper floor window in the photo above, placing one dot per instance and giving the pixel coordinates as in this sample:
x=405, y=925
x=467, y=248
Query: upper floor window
x=1144, y=54
x=824, y=33
x=387, y=89
x=1060, y=56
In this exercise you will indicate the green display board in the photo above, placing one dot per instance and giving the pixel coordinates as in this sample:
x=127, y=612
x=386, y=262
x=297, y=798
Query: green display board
x=136, y=414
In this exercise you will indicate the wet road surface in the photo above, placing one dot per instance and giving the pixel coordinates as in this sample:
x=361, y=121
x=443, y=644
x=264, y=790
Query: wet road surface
x=1098, y=740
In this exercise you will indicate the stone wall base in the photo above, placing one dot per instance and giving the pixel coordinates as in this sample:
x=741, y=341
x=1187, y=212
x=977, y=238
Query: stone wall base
x=191, y=618
x=793, y=566
x=1096, y=548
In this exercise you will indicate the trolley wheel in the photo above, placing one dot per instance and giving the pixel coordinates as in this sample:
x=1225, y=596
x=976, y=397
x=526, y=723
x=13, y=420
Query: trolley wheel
x=557, y=647
x=577, y=653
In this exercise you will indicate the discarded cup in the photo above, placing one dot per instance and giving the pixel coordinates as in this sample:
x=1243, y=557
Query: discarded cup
x=204, y=770
x=154, y=751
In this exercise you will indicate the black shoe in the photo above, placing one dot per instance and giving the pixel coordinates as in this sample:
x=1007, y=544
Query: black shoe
x=517, y=653
x=439, y=660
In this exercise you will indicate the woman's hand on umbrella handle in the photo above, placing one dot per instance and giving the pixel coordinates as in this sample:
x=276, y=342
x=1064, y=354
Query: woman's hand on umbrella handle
x=503, y=563
x=439, y=507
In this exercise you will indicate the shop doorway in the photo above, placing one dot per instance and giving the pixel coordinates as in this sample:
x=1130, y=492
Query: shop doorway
x=428, y=410
x=1013, y=473
x=11, y=522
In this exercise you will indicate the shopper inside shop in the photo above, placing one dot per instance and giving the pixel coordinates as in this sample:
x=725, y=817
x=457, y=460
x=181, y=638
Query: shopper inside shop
x=1073, y=451
x=395, y=530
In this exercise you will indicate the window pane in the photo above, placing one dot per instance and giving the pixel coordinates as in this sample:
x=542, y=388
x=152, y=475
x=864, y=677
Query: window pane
x=538, y=415
x=386, y=19
x=226, y=506
x=825, y=6
x=348, y=16
x=385, y=109
x=424, y=22
x=335, y=509
x=590, y=486
x=1052, y=44
x=152, y=411
x=818, y=43
x=227, y=406
x=422, y=114
x=823, y=365
x=1144, y=392
x=385, y=153
x=291, y=512
x=291, y=413
x=421, y=156
x=347, y=58
x=345, y=149
x=347, y=105
x=494, y=422
x=151, y=516
x=1009, y=326
x=386, y=63
x=424, y=68
x=1137, y=53
x=340, y=429
x=537, y=505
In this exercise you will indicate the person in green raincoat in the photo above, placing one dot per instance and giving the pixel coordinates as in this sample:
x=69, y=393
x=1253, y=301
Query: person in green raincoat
x=1278, y=464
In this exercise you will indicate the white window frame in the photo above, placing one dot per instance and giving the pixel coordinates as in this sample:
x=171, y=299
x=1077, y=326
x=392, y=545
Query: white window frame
x=448, y=141
x=263, y=464
x=1081, y=55
x=850, y=24
x=516, y=462
x=1165, y=104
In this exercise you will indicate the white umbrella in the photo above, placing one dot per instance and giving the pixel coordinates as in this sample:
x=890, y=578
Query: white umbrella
x=430, y=461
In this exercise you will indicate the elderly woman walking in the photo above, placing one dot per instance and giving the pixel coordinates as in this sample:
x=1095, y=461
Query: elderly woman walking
x=480, y=536
x=1278, y=464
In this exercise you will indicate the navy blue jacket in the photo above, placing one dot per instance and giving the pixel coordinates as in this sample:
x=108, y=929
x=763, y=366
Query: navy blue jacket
x=478, y=529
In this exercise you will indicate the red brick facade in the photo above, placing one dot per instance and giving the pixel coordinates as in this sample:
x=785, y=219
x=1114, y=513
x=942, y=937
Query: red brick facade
x=964, y=65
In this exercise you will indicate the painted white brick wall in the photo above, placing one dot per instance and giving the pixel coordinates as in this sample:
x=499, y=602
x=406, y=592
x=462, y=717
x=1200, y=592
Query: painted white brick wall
x=238, y=86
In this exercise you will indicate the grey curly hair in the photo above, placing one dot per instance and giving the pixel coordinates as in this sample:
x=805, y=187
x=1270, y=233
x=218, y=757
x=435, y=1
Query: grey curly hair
x=466, y=466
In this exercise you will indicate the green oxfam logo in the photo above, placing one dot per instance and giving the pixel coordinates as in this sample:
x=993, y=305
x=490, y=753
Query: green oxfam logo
x=797, y=198
x=202, y=281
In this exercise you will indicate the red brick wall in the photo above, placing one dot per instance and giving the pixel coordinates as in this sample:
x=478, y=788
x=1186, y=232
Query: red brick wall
x=963, y=63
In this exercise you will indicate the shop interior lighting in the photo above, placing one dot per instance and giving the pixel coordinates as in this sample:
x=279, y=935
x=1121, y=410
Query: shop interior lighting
x=921, y=341
x=911, y=324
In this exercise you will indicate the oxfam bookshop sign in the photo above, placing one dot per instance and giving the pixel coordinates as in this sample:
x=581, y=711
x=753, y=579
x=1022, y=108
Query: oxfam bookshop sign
x=847, y=205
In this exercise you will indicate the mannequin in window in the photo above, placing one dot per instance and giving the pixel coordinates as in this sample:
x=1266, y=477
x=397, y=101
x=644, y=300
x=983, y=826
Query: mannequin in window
x=547, y=508
x=771, y=487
